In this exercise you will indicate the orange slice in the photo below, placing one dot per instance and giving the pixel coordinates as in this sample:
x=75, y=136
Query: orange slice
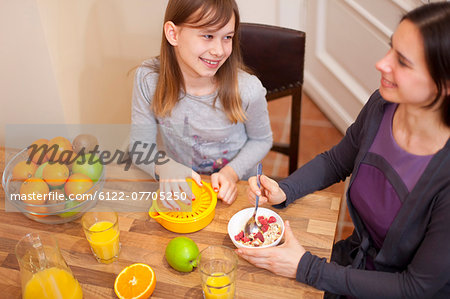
x=136, y=281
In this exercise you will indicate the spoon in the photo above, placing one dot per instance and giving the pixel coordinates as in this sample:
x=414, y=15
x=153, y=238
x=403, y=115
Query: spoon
x=251, y=227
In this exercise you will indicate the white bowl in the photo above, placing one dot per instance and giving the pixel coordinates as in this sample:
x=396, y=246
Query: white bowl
x=237, y=223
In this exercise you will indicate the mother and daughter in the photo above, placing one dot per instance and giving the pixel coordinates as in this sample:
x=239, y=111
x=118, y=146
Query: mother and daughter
x=397, y=152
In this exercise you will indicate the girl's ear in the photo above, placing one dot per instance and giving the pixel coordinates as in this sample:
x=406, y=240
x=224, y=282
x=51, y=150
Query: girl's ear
x=171, y=33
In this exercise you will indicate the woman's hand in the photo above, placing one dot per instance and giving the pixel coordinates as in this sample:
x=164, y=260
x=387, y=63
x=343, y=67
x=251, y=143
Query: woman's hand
x=269, y=193
x=224, y=182
x=172, y=183
x=282, y=260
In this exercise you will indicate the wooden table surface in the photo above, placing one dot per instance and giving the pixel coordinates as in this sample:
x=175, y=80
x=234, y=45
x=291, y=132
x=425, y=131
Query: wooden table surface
x=312, y=218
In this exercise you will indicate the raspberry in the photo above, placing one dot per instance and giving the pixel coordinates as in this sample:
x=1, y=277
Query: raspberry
x=237, y=237
x=264, y=228
x=245, y=239
x=272, y=219
x=259, y=236
x=260, y=218
x=241, y=235
x=263, y=221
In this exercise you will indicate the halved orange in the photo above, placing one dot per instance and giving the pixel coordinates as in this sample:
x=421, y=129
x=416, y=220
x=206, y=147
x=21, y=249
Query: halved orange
x=136, y=281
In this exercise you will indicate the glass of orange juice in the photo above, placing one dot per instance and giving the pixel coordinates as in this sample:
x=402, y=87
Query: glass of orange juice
x=102, y=232
x=43, y=270
x=218, y=266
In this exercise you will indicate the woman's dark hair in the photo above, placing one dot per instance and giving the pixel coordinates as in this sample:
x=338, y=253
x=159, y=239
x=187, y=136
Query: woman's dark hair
x=433, y=22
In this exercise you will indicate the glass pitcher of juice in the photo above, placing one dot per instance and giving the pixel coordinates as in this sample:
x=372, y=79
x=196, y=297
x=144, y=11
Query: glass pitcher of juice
x=43, y=270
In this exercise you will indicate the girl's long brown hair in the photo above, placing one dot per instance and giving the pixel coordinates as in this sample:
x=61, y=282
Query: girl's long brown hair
x=199, y=13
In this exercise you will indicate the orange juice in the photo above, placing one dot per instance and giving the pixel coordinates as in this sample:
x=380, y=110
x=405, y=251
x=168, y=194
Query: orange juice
x=104, y=239
x=52, y=283
x=218, y=286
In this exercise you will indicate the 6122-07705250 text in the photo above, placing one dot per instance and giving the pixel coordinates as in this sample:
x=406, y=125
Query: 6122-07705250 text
x=107, y=196
x=142, y=195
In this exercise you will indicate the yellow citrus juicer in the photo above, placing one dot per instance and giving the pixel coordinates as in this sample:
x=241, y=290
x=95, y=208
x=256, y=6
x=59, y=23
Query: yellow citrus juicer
x=203, y=211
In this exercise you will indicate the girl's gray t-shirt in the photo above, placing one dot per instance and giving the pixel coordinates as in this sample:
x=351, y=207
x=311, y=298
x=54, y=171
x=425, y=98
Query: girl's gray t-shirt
x=197, y=133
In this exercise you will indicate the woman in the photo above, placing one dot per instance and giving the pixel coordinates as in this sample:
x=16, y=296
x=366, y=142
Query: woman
x=398, y=151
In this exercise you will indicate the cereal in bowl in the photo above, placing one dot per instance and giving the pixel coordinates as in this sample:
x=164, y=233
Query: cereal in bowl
x=271, y=231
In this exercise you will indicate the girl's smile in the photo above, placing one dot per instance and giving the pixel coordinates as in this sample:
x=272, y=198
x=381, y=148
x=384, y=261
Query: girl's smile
x=210, y=63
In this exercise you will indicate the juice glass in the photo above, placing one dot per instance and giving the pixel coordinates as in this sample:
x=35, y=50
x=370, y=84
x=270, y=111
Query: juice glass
x=102, y=232
x=218, y=266
x=43, y=270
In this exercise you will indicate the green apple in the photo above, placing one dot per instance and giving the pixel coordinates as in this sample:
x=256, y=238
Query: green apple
x=182, y=253
x=70, y=204
x=84, y=165
x=40, y=170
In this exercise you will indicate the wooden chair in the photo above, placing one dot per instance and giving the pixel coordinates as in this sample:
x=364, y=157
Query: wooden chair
x=276, y=56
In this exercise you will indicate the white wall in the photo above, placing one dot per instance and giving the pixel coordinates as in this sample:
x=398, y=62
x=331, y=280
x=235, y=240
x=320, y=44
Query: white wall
x=285, y=13
x=28, y=87
x=345, y=38
x=68, y=62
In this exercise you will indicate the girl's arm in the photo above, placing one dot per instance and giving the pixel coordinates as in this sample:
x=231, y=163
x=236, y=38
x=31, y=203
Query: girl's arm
x=144, y=127
x=257, y=127
x=143, y=145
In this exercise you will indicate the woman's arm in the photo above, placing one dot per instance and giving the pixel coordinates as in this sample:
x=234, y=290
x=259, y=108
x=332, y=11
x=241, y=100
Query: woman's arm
x=426, y=274
x=336, y=164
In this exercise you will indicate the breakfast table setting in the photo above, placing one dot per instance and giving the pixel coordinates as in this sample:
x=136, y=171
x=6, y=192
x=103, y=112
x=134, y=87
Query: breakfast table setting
x=144, y=240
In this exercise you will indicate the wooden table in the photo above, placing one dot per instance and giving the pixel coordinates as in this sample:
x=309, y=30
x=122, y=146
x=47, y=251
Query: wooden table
x=313, y=220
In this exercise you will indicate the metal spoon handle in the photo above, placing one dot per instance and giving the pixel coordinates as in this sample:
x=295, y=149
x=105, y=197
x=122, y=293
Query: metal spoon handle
x=258, y=175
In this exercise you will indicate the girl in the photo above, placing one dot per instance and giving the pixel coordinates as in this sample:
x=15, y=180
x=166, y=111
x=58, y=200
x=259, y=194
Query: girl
x=211, y=114
x=399, y=195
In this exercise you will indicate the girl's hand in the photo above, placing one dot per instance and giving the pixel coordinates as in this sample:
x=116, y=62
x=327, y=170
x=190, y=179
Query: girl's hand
x=269, y=193
x=282, y=260
x=224, y=182
x=172, y=182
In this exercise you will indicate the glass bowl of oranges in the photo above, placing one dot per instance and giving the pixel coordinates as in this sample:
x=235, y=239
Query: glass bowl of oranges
x=51, y=183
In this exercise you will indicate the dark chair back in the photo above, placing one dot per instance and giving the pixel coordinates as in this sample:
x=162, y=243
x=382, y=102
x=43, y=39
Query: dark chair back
x=276, y=55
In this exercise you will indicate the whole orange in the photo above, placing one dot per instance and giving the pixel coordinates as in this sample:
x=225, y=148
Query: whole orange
x=55, y=174
x=35, y=191
x=77, y=183
x=23, y=170
x=60, y=148
x=35, y=151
